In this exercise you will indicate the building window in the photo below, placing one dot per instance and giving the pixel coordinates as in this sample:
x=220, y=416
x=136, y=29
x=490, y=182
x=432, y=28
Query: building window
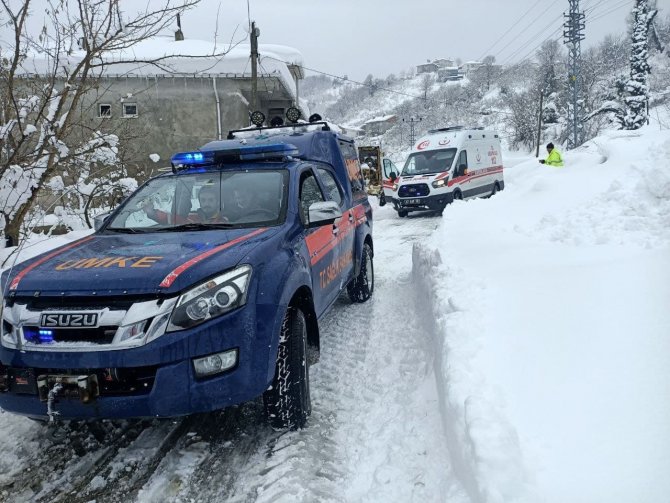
x=104, y=110
x=130, y=110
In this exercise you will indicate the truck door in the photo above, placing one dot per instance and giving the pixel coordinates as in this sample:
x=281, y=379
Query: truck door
x=322, y=243
x=346, y=226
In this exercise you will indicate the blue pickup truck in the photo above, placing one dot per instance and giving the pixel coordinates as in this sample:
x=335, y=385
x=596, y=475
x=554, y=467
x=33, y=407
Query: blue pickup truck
x=204, y=289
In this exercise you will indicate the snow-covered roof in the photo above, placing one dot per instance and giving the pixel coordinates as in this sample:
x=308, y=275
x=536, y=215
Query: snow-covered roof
x=186, y=57
x=385, y=118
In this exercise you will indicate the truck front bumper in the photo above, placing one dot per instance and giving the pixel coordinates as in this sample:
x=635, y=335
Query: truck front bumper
x=154, y=380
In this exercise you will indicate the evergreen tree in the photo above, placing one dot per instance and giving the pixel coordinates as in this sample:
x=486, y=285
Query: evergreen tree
x=637, y=88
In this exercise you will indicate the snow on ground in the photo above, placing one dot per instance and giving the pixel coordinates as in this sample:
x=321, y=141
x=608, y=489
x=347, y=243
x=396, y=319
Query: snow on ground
x=550, y=302
x=515, y=350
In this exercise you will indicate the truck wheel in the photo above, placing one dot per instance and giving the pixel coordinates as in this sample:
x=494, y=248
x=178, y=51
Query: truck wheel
x=382, y=199
x=458, y=196
x=361, y=287
x=402, y=213
x=287, y=401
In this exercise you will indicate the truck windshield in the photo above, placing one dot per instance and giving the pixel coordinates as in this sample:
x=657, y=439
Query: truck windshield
x=210, y=200
x=433, y=161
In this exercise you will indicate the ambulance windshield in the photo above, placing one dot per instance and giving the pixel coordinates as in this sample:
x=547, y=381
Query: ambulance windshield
x=433, y=161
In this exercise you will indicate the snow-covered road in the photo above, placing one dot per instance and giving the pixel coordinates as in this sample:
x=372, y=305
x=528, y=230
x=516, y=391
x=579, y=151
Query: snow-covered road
x=376, y=432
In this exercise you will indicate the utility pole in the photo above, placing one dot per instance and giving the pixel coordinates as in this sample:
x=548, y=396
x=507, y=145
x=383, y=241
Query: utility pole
x=255, y=32
x=412, y=121
x=573, y=34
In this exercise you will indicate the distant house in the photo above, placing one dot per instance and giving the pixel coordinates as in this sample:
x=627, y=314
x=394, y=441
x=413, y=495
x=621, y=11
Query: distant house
x=449, y=73
x=193, y=99
x=351, y=131
x=379, y=125
x=426, y=68
x=470, y=66
x=443, y=63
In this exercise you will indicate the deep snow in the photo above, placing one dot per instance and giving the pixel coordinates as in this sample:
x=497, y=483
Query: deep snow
x=551, y=300
x=515, y=350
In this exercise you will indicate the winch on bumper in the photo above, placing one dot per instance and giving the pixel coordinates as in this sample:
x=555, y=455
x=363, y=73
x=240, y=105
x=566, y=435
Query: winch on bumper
x=166, y=377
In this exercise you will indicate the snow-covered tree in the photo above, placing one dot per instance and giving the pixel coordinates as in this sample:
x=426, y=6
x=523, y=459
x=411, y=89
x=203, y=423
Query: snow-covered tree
x=41, y=125
x=637, y=87
x=549, y=76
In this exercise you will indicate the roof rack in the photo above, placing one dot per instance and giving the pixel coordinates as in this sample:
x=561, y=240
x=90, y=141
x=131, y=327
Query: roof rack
x=325, y=127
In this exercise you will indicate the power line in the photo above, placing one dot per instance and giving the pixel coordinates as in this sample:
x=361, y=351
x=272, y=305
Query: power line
x=527, y=27
x=514, y=25
x=363, y=84
x=613, y=9
x=534, y=37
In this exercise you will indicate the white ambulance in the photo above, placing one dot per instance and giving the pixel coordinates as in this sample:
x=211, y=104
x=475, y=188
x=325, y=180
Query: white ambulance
x=446, y=165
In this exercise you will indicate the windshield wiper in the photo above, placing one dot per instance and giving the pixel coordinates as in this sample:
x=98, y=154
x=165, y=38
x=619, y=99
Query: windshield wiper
x=128, y=230
x=195, y=226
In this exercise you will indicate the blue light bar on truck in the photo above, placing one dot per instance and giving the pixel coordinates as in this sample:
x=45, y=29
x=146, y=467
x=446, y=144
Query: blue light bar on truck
x=186, y=160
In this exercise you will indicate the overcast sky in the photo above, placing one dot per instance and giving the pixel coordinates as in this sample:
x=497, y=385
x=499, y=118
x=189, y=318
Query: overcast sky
x=358, y=37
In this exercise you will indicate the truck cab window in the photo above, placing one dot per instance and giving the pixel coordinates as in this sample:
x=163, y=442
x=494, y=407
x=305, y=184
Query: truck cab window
x=310, y=193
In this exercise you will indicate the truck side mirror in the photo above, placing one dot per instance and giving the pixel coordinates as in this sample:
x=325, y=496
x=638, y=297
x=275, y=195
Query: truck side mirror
x=323, y=213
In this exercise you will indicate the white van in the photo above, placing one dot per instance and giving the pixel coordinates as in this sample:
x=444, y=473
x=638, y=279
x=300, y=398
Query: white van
x=446, y=165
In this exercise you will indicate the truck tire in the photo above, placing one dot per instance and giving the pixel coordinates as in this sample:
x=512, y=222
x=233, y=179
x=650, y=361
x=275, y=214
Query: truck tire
x=287, y=401
x=361, y=287
x=402, y=213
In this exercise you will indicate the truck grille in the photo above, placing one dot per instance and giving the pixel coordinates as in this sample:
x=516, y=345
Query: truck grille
x=78, y=303
x=414, y=190
x=99, y=335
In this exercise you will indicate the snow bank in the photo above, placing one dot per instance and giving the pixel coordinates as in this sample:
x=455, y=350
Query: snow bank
x=550, y=308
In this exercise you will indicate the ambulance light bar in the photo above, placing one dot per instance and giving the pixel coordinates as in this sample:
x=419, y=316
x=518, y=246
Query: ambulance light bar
x=277, y=151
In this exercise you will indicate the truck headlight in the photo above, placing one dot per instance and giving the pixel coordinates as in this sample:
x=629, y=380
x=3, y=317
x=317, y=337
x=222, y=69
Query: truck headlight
x=438, y=184
x=212, y=298
x=8, y=332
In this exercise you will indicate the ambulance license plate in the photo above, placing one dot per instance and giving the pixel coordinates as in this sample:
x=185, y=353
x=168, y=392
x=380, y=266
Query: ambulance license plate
x=407, y=202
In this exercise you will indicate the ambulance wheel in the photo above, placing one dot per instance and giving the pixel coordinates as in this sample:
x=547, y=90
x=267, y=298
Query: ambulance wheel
x=402, y=213
x=382, y=199
x=287, y=401
x=496, y=188
x=458, y=196
x=361, y=287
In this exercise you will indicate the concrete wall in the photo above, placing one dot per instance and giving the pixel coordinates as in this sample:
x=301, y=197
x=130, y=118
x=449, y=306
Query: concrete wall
x=175, y=113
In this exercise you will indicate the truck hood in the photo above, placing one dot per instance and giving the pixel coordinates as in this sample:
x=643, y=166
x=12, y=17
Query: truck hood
x=134, y=264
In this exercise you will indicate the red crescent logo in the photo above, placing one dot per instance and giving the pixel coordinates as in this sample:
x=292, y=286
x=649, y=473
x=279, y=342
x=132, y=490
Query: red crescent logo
x=423, y=145
x=446, y=141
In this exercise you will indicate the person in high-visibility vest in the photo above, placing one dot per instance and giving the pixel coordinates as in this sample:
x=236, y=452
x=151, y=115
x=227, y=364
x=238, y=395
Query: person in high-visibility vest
x=554, y=158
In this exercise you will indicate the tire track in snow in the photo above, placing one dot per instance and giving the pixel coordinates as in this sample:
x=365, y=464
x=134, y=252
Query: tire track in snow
x=122, y=477
x=71, y=451
x=375, y=431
